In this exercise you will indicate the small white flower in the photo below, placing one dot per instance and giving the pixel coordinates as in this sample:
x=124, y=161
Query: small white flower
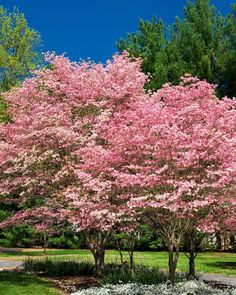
x=184, y=288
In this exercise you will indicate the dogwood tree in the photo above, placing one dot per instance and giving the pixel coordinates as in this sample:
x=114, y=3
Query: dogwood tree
x=51, y=154
x=176, y=158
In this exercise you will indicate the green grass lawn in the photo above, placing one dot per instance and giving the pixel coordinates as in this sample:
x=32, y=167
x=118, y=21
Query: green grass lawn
x=208, y=262
x=12, y=283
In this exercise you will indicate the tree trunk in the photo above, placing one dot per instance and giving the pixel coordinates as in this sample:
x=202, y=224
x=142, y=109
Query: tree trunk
x=172, y=263
x=223, y=241
x=173, y=242
x=96, y=242
x=191, y=271
x=121, y=257
x=118, y=245
x=192, y=254
x=45, y=243
x=120, y=252
x=172, y=229
x=131, y=260
x=99, y=258
x=226, y=239
x=193, y=243
x=131, y=243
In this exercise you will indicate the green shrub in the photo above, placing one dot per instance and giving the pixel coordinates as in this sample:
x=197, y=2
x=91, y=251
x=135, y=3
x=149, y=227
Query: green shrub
x=59, y=268
x=115, y=274
x=67, y=240
x=18, y=236
x=62, y=242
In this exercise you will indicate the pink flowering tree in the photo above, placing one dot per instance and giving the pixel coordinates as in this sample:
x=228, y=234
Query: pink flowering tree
x=225, y=225
x=175, y=155
x=46, y=222
x=219, y=218
x=51, y=154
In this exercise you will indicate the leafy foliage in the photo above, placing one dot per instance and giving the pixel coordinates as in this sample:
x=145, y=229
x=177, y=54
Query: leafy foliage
x=19, y=53
x=116, y=274
x=59, y=268
x=18, y=45
x=202, y=44
x=19, y=236
x=149, y=43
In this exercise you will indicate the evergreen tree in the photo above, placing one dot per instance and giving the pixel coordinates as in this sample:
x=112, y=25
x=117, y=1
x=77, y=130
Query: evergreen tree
x=228, y=60
x=149, y=43
x=202, y=43
x=197, y=40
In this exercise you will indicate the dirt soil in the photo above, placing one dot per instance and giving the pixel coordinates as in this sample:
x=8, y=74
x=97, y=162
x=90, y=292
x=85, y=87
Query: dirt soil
x=72, y=284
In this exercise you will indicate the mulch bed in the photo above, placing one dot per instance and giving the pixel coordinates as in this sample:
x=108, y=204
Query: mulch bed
x=72, y=284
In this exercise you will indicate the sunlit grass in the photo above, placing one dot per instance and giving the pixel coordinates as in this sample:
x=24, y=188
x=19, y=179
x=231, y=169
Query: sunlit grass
x=12, y=283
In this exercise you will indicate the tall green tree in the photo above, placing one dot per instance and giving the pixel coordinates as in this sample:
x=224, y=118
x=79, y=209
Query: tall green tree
x=18, y=48
x=149, y=43
x=197, y=40
x=201, y=43
x=228, y=60
x=19, y=51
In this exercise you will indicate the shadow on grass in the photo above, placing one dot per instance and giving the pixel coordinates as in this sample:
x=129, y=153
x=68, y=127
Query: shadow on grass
x=8, y=253
x=18, y=279
x=41, y=253
x=223, y=265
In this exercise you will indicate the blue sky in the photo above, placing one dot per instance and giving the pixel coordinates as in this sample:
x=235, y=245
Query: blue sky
x=90, y=28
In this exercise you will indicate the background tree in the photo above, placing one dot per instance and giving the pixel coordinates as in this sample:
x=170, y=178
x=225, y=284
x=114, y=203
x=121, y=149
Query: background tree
x=149, y=43
x=19, y=51
x=228, y=58
x=201, y=43
x=18, y=44
x=45, y=222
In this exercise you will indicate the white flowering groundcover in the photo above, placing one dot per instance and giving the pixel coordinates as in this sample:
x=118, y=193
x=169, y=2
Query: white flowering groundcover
x=184, y=288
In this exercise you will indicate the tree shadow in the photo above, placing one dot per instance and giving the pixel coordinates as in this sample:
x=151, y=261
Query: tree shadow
x=223, y=265
x=20, y=279
x=19, y=253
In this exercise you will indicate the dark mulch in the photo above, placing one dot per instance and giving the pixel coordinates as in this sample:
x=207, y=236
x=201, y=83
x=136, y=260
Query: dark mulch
x=72, y=284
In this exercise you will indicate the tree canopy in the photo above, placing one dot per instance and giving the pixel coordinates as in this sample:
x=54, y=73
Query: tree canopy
x=19, y=51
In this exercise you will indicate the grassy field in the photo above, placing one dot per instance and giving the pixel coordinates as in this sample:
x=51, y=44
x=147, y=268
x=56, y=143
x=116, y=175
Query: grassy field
x=20, y=284
x=208, y=262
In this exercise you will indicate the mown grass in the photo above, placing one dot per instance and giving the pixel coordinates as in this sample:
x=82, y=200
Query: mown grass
x=207, y=262
x=12, y=283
